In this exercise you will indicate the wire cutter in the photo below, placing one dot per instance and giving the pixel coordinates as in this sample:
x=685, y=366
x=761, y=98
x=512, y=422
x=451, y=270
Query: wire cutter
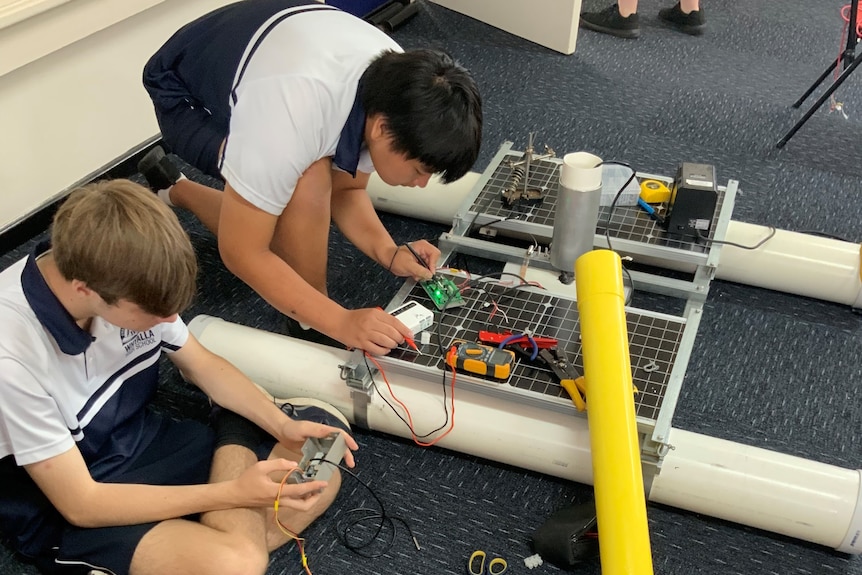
x=544, y=348
x=570, y=379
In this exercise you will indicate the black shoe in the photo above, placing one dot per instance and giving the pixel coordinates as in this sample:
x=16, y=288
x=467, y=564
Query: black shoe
x=314, y=410
x=692, y=23
x=295, y=330
x=610, y=21
x=158, y=169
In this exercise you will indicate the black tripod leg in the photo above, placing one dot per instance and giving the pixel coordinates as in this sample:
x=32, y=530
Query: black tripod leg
x=840, y=80
x=817, y=82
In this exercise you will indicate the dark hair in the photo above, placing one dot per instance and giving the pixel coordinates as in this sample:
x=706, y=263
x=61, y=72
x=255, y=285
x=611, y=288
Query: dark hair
x=432, y=108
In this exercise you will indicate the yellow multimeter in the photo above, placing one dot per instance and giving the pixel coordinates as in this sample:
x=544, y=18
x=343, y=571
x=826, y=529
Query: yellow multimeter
x=481, y=359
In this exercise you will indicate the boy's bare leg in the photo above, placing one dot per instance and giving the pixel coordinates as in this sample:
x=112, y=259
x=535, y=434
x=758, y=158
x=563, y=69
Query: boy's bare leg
x=203, y=201
x=180, y=547
x=301, y=236
x=229, y=462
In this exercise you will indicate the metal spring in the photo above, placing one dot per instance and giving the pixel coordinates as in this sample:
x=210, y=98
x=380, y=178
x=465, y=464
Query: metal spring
x=515, y=179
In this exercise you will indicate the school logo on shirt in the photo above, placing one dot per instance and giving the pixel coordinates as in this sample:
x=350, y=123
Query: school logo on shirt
x=133, y=340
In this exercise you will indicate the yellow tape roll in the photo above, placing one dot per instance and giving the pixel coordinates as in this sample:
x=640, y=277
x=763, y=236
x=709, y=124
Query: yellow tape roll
x=654, y=192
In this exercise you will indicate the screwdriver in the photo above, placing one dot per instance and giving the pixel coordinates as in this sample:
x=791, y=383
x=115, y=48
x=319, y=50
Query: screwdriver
x=419, y=258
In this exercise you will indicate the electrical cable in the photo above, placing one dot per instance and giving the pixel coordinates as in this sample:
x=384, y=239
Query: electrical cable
x=395, y=411
x=608, y=223
x=517, y=336
x=769, y=236
x=409, y=421
x=845, y=15
x=344, y=527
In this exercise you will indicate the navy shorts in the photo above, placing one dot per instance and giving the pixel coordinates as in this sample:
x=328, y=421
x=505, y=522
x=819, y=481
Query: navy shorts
x=191, y=77
x=189, y=129
x=180, y=454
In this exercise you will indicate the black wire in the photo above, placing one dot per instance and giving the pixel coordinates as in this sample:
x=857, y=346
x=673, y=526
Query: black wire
x=702, y=237
x=440, y=347
x=497, y=275
x=343, y=527
x=631, y=294
x=395, y=411
x=616, y=197
x=608, y=224
x=518, y=216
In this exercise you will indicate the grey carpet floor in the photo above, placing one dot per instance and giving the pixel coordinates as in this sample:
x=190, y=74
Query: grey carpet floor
x=769, y=370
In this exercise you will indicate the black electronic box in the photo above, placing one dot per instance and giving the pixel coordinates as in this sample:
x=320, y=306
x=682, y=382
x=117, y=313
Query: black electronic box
x=693, y=198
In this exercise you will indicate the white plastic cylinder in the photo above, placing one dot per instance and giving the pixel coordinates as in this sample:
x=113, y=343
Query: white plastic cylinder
x=581, y=171
x=792, y=262
x=553, y=443
x=793, y=496
x=765, y=489
x=436, y=202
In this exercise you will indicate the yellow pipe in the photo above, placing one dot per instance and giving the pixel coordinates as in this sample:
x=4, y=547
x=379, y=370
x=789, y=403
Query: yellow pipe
x=617, y=476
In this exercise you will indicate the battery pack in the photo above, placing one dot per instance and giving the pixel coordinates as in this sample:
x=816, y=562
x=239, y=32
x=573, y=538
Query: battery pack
x=693, y=198
x=414, y=316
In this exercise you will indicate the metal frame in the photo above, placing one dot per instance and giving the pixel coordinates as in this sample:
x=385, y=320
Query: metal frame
x=702, y=259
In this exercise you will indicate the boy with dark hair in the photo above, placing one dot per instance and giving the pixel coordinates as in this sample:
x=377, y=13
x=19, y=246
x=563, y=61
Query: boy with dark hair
x=93, y=481
x=294, y=104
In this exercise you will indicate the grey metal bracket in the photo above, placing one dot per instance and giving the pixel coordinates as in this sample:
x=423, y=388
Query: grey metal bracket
x=356, y=373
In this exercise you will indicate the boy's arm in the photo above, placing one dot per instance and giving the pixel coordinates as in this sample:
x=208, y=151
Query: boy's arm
x=84, y=502
x=244, y=238
x=355, y=216
x=231, y=389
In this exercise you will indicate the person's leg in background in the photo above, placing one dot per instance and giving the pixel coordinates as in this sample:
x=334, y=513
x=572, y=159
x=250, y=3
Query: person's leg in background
x=685, y=16
x=621, y=19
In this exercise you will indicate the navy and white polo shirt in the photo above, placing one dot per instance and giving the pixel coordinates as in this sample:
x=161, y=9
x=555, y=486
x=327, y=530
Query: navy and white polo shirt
x=62, y=386
x=294, y=101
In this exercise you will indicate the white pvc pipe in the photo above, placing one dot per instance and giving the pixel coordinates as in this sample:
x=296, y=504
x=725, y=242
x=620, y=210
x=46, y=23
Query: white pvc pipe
x=789, y=495
x=802, y=264
x=525, y=436
x=790, y=262
x=780, y=493
x=436, y=202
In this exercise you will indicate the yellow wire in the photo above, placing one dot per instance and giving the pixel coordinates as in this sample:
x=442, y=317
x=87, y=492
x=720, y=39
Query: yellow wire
x=299, y=540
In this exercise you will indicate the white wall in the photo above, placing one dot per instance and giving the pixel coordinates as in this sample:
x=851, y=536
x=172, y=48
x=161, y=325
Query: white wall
x=71, y=99
x=550, y=23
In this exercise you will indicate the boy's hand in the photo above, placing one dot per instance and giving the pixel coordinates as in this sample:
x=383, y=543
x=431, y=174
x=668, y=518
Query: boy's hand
x=294, y=433
x=405, y=264
x=372, y=330
x=257, y=488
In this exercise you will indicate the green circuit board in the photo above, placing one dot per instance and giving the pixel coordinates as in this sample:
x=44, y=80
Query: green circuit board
x=443, y=292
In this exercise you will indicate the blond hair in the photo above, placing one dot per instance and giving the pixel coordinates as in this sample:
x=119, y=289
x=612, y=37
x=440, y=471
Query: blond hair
x=124, y=243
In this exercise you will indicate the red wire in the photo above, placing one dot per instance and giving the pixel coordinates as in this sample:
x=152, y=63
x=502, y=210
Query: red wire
x=845, y=15
x=407, y=411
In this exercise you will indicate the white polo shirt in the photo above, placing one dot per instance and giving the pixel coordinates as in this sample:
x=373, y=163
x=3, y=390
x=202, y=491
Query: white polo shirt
x=295, y=102
x=61, y=385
